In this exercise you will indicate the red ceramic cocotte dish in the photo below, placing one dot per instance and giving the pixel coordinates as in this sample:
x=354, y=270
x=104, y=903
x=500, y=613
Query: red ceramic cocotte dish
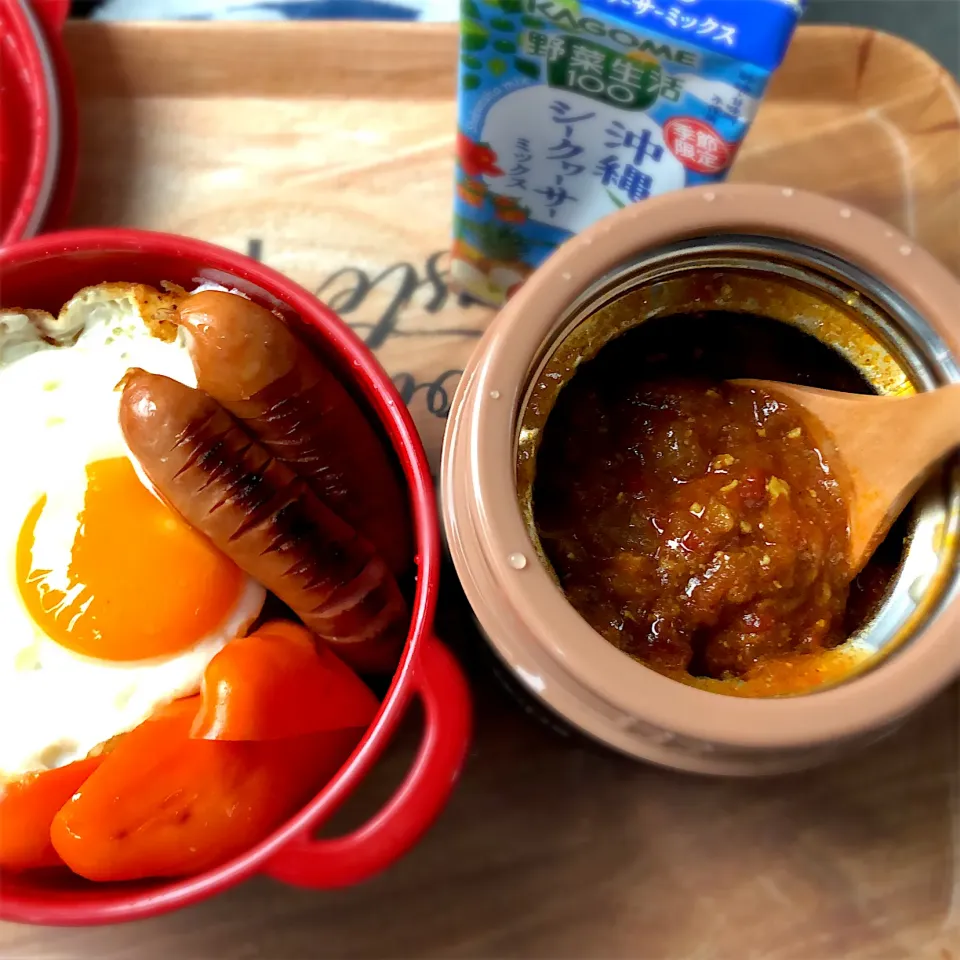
x=862, y=298
x=38, y=119
x=46, y=271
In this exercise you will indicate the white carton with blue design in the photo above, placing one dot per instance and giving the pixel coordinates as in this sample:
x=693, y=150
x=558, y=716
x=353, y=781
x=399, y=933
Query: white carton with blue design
x=569, y=110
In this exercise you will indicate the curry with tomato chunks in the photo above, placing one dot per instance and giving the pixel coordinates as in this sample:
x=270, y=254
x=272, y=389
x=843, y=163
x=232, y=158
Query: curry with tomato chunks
x=692, y=522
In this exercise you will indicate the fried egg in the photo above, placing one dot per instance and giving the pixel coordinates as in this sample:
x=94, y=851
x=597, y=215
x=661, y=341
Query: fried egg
x=111, y=605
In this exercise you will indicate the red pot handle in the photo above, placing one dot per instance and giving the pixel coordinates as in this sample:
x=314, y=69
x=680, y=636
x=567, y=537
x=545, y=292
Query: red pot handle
x=342, y=861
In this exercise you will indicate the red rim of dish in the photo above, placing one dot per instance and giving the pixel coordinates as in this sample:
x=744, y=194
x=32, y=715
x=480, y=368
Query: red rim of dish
x=54, y=14
x=34, y=77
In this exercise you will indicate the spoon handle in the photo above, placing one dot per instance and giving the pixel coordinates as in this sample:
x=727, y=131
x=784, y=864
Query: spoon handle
x=924, y=426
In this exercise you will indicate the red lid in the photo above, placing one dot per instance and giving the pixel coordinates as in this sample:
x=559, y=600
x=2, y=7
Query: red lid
x=38, y=119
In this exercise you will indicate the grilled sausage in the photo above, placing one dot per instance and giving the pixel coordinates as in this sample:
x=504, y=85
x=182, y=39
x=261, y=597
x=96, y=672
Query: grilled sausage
x=264, y=517
x=262, y=373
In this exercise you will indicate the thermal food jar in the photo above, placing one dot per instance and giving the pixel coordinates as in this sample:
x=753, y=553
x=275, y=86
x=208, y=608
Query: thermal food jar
x=853, y=282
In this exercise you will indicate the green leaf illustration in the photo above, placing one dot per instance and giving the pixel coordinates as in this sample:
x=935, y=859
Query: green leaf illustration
x=498, y=241
x=615, y=199
x=527, y=67
x=533, y=23
x=505, y=46
x=502, y=24
x=474, y=63
x=471, y=81
x=497, y=66
x=511, y=6
x=469, y=9
x=473, y=38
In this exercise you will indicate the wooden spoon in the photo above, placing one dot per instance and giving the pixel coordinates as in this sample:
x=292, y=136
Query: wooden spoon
x=880, y=448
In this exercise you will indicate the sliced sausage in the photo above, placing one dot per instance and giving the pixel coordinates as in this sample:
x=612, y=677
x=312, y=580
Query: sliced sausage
x=264, y=517
x=261, y=372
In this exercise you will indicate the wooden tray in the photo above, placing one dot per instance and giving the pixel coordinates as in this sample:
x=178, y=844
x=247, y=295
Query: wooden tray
x=326, y=150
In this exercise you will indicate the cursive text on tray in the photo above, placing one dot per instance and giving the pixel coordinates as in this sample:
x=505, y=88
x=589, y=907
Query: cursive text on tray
x=374, y=305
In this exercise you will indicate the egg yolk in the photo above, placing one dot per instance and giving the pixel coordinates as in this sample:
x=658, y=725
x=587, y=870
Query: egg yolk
x=137, y=582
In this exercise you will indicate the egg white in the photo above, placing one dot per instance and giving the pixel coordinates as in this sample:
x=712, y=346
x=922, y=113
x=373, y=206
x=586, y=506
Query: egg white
x=60, y=412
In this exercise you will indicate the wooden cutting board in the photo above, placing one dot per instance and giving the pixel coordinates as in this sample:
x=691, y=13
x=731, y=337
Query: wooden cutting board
x=326, y=151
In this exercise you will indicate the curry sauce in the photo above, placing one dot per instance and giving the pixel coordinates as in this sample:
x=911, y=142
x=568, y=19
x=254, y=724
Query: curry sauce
x=694, y=523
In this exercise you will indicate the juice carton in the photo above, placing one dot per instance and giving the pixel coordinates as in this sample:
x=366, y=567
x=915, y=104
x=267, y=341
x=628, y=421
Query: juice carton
x=569, y=109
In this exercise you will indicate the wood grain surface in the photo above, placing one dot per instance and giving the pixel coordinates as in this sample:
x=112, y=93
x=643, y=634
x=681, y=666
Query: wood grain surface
x=326, y=150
